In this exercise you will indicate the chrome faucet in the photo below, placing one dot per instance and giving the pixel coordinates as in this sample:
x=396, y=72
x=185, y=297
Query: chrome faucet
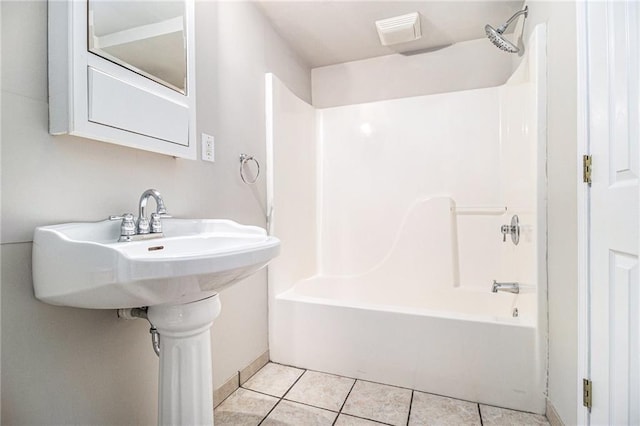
x=508, y=287
x=130, y=231
x=144, y=227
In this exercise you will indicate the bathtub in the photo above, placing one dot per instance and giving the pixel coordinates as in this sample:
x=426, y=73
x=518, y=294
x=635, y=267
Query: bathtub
x=391, y=238
x=458, y=343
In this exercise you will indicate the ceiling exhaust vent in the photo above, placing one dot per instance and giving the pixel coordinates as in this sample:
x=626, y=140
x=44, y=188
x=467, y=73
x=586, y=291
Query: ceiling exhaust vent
x=399, y=29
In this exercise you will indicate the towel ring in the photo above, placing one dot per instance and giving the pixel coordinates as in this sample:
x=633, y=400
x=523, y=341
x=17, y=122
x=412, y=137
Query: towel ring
x=244, y=158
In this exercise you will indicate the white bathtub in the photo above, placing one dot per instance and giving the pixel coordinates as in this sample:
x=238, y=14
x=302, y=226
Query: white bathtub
x=399, y=229
x=457, y=343
x=459, y=303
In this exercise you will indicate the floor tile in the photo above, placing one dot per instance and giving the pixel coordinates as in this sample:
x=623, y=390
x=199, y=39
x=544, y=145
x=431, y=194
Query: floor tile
x=345, y=420
x=273, y=379
x=321, y=390
x=383, y=403
x=494, y=416
x=429, y=409
x=243, y=408
x=294, y=414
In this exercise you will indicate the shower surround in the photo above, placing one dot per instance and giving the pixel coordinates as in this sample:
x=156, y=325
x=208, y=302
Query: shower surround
x=389, y=215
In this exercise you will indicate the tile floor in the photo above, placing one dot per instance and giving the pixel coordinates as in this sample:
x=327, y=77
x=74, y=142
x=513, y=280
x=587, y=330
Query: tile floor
x=278, y=395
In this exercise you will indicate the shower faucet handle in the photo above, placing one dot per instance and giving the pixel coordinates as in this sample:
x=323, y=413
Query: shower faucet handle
x=513, y=229
x=505, y=229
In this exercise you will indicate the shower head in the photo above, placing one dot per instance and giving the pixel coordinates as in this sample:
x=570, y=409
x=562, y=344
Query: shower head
x=497, y=37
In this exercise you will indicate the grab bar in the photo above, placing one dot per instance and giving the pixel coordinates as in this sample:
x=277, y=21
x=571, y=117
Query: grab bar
x=508, y=287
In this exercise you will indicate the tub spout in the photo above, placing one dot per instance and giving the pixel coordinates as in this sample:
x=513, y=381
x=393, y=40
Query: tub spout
x=508, y=287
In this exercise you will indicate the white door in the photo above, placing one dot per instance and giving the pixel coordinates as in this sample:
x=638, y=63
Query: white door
x=613, y=47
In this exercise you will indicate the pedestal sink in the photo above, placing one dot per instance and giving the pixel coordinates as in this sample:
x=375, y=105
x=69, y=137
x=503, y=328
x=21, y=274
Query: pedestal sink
x=177, y=276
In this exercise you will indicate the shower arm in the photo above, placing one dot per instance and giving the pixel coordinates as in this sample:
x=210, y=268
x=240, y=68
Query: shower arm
x=504, y=26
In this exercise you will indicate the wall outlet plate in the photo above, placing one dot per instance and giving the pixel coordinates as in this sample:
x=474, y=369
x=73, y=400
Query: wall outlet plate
x=208, y=148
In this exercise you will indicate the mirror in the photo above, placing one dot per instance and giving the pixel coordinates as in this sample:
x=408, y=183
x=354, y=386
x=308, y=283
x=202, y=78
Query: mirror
x=145, y=36
x=123, y=72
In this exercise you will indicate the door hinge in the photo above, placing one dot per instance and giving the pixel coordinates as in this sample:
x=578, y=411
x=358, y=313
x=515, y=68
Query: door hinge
x=586, y=393
x=586, y=168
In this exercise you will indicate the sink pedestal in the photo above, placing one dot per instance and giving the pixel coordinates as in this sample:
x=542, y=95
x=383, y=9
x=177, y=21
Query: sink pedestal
x=185, y=394
x=84, y=265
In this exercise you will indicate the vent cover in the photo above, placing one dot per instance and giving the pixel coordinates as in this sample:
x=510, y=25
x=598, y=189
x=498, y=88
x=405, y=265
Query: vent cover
x=399, y=29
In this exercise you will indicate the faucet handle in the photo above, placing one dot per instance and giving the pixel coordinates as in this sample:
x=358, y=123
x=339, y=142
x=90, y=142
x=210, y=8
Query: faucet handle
x=128, y=225
x=513, y=230
x=505, y=229
x=143, y=225
x=156, y=225
x=123, y=216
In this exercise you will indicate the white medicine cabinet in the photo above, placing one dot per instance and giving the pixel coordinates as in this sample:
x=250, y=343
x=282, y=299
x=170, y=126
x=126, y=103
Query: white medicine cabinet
x=123, y=72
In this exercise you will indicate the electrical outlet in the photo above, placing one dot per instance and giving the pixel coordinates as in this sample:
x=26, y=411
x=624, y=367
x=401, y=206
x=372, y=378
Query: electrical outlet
x=208, y=148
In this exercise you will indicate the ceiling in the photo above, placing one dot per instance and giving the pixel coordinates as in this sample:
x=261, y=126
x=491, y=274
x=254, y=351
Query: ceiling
x=325, y=32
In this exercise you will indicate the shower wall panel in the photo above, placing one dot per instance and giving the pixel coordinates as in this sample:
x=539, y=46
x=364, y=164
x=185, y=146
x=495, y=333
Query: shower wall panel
x=519, y=133
x=378, y=158
x=348, y=177
x=292, y=174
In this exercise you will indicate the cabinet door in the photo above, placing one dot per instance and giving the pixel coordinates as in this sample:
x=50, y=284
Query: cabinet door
x=95, y=96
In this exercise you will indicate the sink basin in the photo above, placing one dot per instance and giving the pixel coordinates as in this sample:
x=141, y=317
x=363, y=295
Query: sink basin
x=83, y=264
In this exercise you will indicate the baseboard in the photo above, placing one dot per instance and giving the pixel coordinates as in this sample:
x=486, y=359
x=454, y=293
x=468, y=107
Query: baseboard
x=552, y=415
x=231, y=385
x=251, y=369
x=225, y=390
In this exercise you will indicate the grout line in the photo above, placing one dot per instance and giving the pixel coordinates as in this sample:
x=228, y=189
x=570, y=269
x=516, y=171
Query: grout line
x=444, y=396
x=383, y=384
x=410, y=406
x=337, y=413
x=272, y=408
x=345, y=400
x=378, y=422
x=304, y=371
x=294, y=383
x=286, y=365
x=261, y=393
x=355, y=415
x=282, y=397
x=509, y=409
x=347, y=397
x=310, y=405
x=267, y=415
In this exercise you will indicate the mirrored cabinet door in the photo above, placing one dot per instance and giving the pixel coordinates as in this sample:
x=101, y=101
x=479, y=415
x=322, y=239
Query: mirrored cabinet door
x=123, y=72
x=147, y=37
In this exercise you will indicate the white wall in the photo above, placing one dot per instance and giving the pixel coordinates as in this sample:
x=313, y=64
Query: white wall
x=63, y=365
x=468, y=65
x=562, y=204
